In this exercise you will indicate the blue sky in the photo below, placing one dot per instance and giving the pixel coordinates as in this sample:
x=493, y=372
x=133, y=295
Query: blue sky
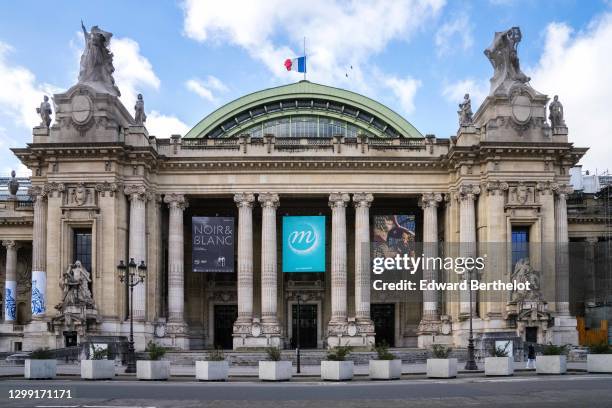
x=418, y=57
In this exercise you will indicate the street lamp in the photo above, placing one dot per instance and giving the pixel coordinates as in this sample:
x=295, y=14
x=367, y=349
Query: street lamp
x=131, y=275
x=470, y=364
x=297, y=342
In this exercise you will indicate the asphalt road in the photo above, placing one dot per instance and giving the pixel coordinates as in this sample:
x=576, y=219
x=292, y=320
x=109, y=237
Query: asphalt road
x=567, y=391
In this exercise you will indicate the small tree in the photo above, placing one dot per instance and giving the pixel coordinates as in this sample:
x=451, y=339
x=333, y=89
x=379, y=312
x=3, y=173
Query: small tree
x=41, y=354
x=339, y=353
x=382, y=350
x=499, y=351
x=440, y=351
x=216, y=355
x=553, y=350
x=99, y=353
x=155, y=351
x=274, y=353
x=601, y=348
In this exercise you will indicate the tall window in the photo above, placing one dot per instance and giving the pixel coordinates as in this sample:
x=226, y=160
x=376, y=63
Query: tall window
x=82, y=247
x=520, y=244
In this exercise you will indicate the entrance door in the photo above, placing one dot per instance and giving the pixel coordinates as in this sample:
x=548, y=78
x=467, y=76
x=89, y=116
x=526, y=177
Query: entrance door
x=383, y=315
x=308, y=326
x=225, y=316
x=531, y=334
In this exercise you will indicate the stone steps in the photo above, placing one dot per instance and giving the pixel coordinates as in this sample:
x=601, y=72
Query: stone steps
x=308, y=357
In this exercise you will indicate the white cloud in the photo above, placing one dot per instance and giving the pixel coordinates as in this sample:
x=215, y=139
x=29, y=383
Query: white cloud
x=478, y=90
x=576, y=66
x=132, y=70
x=454, y=35
x=21, y=94
x=404, y=89
x=338, y=34
x=163, y=126
x=207, y=89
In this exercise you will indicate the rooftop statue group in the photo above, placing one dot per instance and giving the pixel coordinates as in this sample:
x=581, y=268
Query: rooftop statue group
x=97, y=61
x=503, y=55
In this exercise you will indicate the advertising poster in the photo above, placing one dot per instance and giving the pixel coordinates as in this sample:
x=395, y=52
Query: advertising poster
x=393, y=234
x=213, y=244
x=304, y=244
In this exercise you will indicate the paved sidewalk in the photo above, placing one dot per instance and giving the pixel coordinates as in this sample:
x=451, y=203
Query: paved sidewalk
x=252, y=371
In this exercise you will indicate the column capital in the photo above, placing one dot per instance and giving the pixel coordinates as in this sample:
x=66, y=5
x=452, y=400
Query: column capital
x=430, y=200
x=244, y=199
x=563, y=191
x=268, y=200
x=9, y=244
x=468, y=192
x=547, y=187
x=496, y=187
x=106, y=186
x=338, y=200
x=362, y=199
x=37, y=193
x=175, y=200
x=53, y=187
x=137, y=192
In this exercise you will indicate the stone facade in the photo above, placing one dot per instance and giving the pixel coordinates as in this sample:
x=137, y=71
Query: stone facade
x=134, y=194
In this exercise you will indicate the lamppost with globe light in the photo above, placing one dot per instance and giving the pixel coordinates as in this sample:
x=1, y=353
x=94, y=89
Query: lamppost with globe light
x=131, y=274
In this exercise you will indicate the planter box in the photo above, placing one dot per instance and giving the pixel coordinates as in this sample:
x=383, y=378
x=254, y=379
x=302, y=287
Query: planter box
x=599, y=363
x=97, y=369
x=275, y=370
x=336, y=370
x=211, y=370
x=441, y=367
x=39, y=369
x=499, y=366
x=551, y=364
x=152, y=370
x=385, y=369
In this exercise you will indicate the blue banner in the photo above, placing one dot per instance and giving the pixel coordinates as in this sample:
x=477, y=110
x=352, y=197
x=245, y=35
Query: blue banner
x=212, y=241
x=304, y=244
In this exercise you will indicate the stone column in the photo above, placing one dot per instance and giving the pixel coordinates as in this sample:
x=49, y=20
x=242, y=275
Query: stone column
x=562, y=250
x=429, y=203
x=362, y=202
x=176, y=260
x=467, y=194
x=496, y=264
x=39, y=252
x=244, y=201
x=269, y=203
x=337, y=202
x=10, y=282
x=137, y=194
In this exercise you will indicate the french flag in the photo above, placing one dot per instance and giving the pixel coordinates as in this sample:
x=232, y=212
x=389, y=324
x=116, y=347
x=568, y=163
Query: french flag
x=296, y=64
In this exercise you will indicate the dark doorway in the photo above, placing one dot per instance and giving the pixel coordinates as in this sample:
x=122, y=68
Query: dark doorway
x=70, y=338
x=383, y=315
x=225, y=316
x=531, y=334
x=308, y=326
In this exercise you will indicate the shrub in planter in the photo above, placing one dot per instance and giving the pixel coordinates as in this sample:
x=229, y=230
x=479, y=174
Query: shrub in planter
x=215, y=368
x=40, y=364
x=499, y=364
x=275, y=369
x=154, y=368
x=336, y=368
x=98, y=367
x=387, y=366
x=553, y=360
x=441, y=366
x=599, y=359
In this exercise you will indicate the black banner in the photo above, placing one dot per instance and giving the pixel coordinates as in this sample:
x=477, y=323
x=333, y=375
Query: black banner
x=212, y=244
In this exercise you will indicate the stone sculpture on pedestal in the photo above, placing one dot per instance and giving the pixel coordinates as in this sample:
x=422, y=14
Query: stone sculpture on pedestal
x=44, y=110
x=556, y=113
x=503, y=55
x=139, y=115
x=465, y=111
x=97, y=62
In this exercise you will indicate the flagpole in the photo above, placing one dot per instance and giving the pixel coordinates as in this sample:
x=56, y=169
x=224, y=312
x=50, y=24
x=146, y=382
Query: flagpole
x=305, y=59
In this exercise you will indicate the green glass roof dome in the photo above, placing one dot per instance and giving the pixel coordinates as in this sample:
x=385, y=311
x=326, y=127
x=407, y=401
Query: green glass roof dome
x=308, y=109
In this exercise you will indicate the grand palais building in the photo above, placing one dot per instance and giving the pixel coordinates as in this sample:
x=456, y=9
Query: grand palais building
x=277, y=198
